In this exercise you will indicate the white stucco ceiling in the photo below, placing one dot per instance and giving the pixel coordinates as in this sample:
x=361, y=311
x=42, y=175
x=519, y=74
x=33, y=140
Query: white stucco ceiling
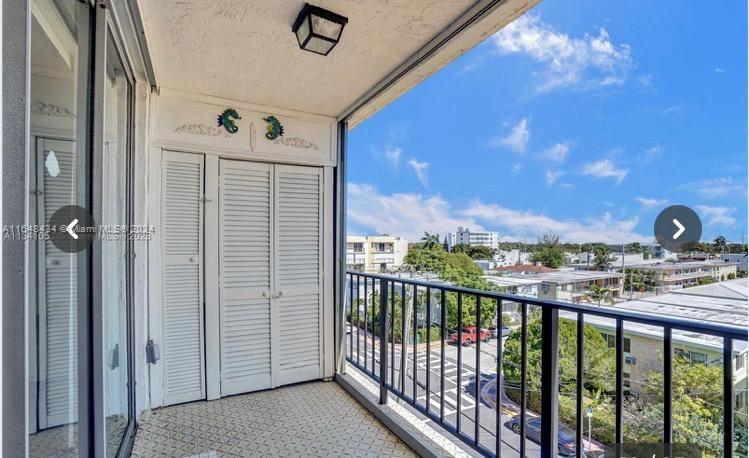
x=245, y=50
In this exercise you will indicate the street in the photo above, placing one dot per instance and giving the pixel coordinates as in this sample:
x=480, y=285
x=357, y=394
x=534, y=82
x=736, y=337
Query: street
x=456, y=397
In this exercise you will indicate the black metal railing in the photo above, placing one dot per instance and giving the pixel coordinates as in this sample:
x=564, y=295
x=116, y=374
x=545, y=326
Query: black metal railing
x=386, y=335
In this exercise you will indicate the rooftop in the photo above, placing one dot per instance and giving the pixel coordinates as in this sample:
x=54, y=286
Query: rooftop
x=527, y=280
x=572, y=276
x=724, y=302
x=528, y=268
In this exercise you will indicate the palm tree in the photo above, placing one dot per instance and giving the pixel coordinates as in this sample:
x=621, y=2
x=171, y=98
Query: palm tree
x=599, y=294
x=430, y=240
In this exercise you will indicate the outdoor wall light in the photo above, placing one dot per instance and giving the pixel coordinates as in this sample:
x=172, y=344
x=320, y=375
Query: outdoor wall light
x=318, y=30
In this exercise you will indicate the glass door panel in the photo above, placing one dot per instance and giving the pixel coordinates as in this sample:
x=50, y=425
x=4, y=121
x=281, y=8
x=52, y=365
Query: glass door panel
x=115, y=247
x=55, y=181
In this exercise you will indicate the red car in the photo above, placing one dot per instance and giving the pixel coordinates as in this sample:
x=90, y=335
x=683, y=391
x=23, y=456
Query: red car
x=469, y=335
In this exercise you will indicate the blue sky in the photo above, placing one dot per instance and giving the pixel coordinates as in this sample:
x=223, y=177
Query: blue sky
x=585, y=121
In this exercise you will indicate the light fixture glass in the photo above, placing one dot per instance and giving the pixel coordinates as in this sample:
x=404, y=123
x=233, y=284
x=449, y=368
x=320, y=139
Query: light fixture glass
x=318, y=30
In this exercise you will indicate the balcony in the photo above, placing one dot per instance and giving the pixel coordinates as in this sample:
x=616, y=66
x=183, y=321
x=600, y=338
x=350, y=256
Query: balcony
x=403, y=337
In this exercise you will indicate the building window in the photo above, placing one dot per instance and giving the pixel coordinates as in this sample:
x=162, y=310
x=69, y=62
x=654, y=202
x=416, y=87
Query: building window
x=611, y=342
x=358, y=248
x=697, y=358
x=738, y=362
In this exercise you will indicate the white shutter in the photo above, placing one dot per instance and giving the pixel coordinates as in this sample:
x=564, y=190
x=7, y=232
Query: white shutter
x=182, y=346
x=298, y=273
x=57, y=294
x=245, y=276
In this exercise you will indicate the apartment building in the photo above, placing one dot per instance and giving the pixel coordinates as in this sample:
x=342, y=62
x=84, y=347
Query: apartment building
x=739, y=258
x=574, y=286
x=723, y=302
x=680, y=274
x=375, y=253
x=466, y=236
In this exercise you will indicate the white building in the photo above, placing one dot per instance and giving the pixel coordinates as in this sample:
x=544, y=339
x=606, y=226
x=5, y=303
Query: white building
x=465, y=236
x=512, y=257
x=740, y=258
x=375, y=253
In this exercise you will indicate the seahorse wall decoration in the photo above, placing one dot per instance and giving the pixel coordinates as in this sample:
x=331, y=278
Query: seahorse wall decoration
x=227, y=119
x=275, y=129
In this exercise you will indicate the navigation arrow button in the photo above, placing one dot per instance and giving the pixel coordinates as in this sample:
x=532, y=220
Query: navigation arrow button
x=681, y=228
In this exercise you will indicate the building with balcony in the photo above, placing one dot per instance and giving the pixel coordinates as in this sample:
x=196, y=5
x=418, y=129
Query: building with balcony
x=740, y=258
x=197, y=302
x=575, y=286
x=465, y=236
x=674, y=275
x=375, y=253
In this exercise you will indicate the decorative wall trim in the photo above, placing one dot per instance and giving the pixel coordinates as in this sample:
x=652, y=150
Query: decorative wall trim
x=296, y=142
x=49, y=109
x=201, y=129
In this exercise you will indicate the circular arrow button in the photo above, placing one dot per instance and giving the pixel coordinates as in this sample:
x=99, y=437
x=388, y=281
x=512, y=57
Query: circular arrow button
x=72, y=229
x=677, y=227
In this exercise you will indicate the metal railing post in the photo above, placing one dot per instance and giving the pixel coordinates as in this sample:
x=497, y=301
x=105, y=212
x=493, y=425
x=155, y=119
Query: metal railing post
x=549, y=381
x=383, y=340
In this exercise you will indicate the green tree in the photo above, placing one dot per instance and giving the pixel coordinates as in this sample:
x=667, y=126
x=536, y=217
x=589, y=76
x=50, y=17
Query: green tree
x=599, y=294
x=445, y=245
x=598, y=364
x=698, y=400
x=430, y=240
x=719, y=243
x=602, y=257
x=549, y=253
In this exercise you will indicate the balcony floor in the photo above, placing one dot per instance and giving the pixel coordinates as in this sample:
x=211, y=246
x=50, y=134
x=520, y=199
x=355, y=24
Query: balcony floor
x=311, y=419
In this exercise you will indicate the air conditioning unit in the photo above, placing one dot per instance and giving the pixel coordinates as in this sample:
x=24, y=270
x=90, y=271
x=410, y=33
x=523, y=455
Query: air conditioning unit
x=631, y=360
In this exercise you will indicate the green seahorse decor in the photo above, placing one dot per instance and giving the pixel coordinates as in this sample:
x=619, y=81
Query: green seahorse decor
x=275, y=129
x=228, y=118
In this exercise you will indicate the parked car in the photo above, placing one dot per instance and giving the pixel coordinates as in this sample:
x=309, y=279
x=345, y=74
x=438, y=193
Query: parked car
x=470, y=334
x=505, y=331
x=565, y=436
x=470, y=387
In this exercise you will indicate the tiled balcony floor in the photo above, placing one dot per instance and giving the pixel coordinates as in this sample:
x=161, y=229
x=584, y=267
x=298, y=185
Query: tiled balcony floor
x=311, y=419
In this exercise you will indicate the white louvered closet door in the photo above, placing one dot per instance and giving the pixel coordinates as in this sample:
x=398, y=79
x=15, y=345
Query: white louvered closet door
x=246, y=195
x=297, y=306
x=182, y=348
x=57, y=291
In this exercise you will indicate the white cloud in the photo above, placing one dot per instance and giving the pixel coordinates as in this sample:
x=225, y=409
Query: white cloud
x=517, y=168
x=517, y=139
x=716, y=188
x=420, y=169
x=718, y=70
x=717, y=216
x=410, y=214
x=528, y=225
x=650, y=201
x=552, y=177
x=605, y=168
x=391, y=154
x=405, y=214
x=556, y=153
x=593, y=60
